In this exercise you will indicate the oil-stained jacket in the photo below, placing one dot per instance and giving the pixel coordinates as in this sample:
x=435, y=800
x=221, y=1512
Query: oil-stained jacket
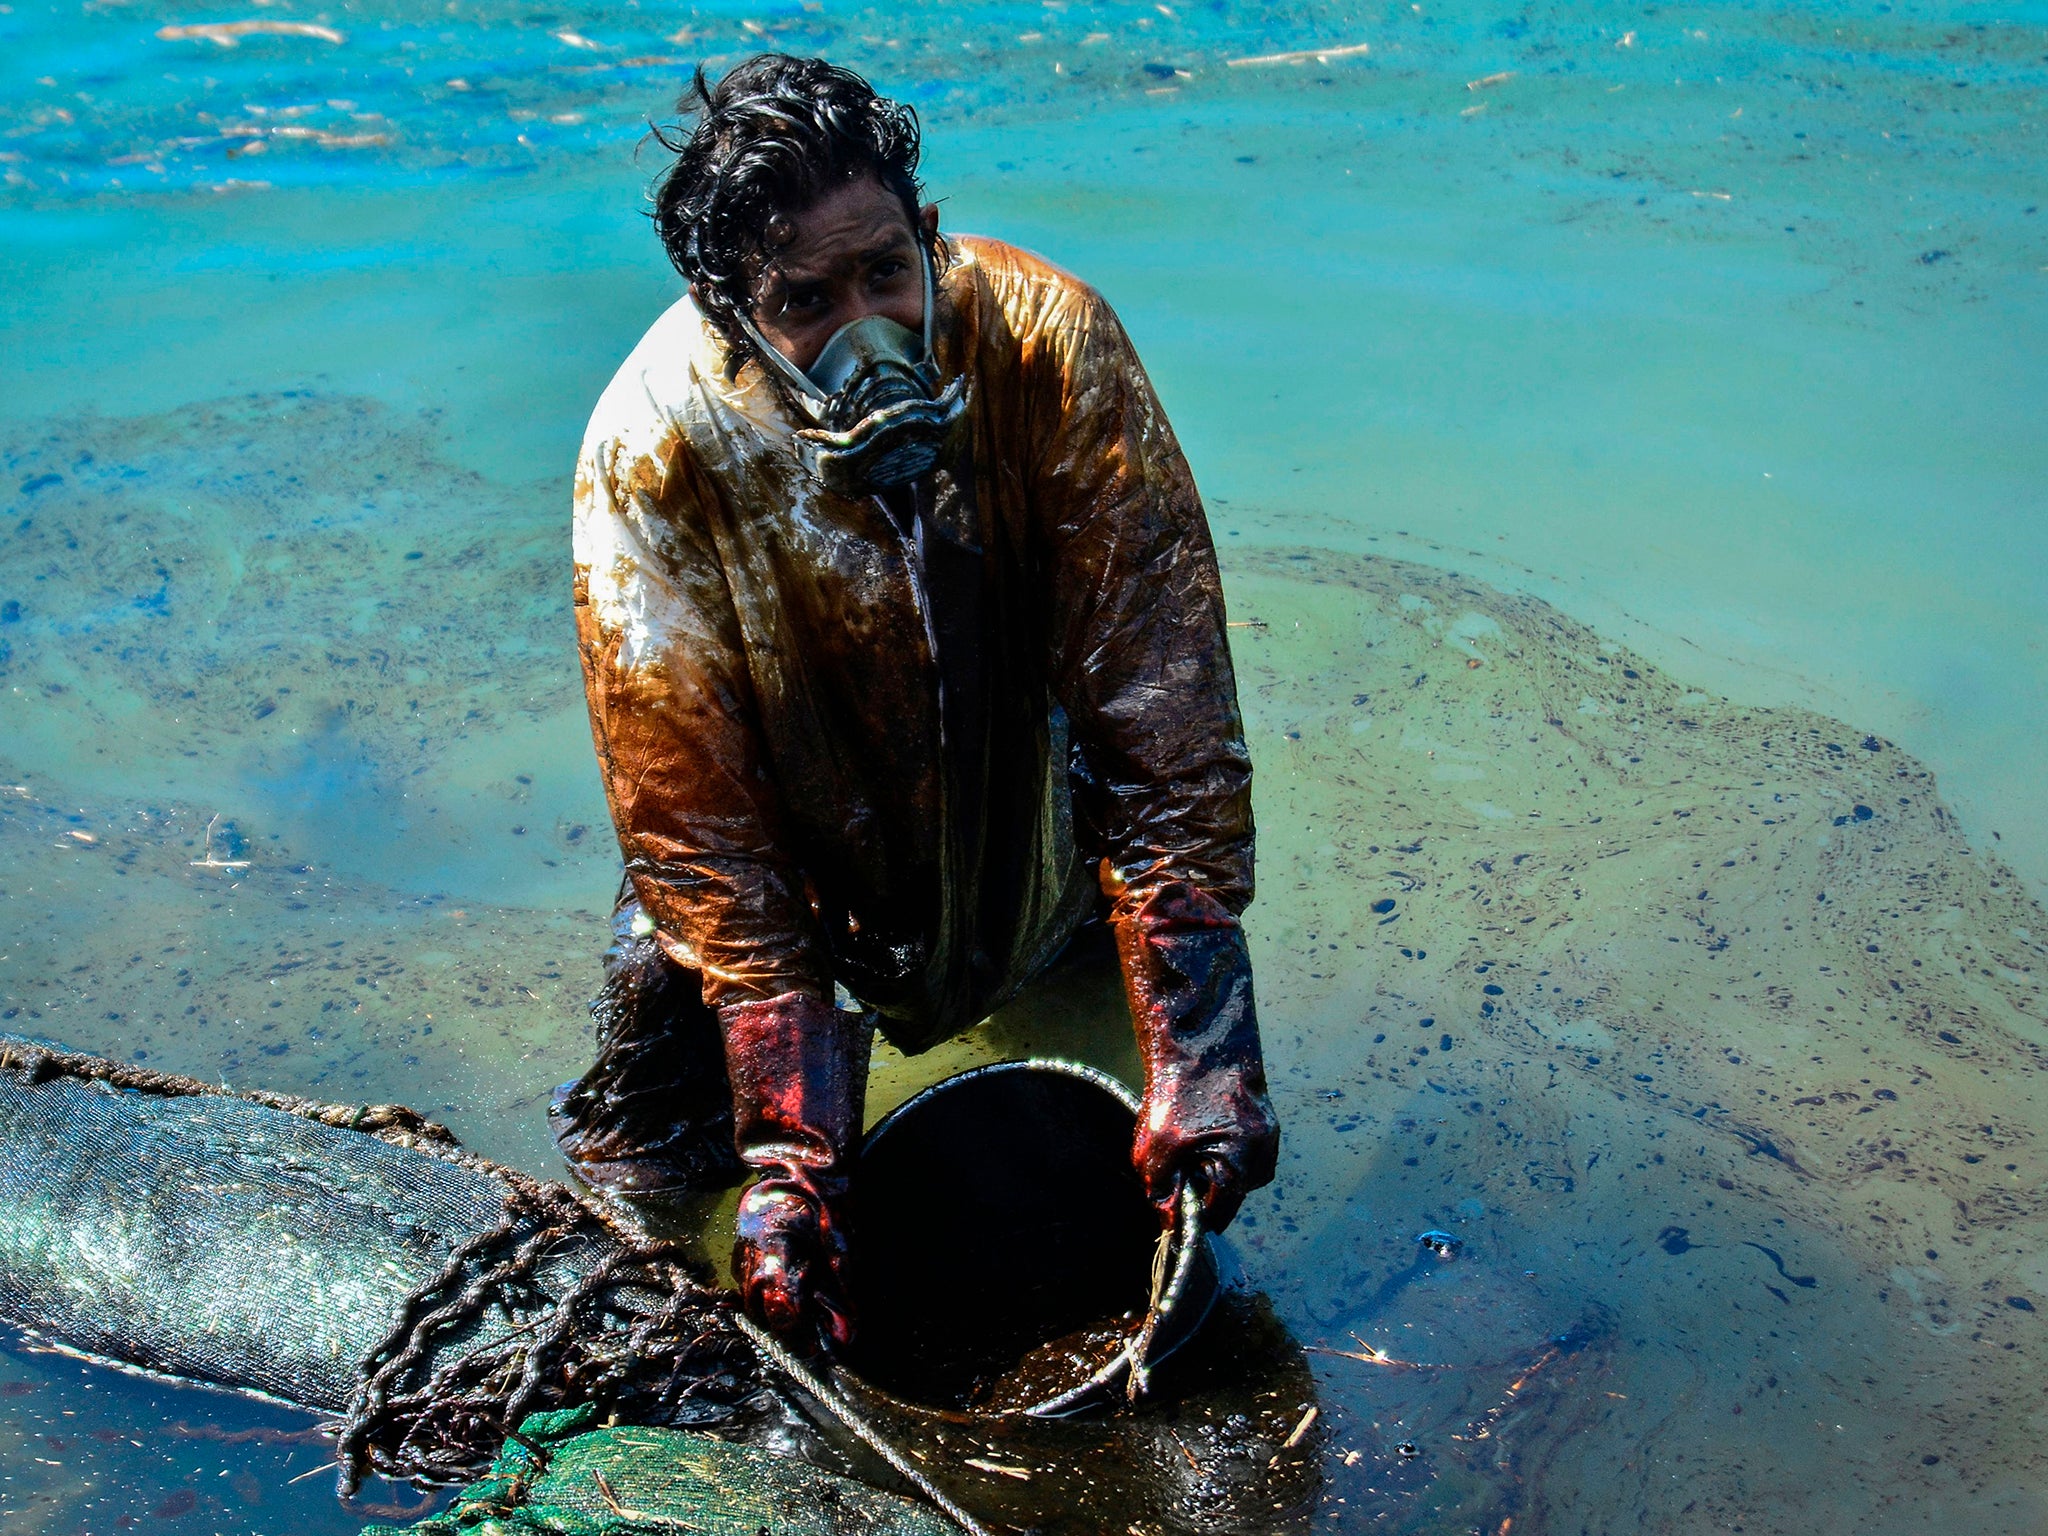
x=836, y=736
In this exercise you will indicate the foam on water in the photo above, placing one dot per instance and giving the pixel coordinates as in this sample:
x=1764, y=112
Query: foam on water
x=1716, y=331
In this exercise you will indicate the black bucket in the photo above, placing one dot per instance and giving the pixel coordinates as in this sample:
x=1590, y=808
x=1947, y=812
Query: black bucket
x=1006, y=1247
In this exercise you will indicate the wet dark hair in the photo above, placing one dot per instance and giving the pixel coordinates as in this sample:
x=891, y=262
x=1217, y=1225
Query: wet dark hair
x=772, y=137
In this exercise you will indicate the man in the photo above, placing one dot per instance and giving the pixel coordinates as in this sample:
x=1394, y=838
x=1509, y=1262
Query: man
x=905, y=654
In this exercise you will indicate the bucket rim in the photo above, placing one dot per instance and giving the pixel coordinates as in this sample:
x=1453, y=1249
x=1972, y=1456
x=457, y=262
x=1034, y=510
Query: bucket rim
x=1190, y=1254
x=1057, y=1064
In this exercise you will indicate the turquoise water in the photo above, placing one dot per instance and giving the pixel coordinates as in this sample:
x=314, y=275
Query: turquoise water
x=1704, y=343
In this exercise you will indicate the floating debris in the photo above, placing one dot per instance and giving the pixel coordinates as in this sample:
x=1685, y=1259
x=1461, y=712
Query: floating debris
x=210, y=862
x=1303, y=56
x=229, y=34
x=1300, y=1429
x=1369, y=1354
x=1020, y=1473
x=1441, y=1244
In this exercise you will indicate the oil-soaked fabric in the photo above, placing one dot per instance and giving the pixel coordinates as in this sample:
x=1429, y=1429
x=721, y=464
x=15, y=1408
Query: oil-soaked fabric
x=763, y=670
x=653, y=1114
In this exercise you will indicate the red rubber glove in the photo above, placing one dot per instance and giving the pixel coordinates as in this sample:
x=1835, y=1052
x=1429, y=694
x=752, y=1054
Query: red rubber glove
x=799, y=1070
x=1205, y=1116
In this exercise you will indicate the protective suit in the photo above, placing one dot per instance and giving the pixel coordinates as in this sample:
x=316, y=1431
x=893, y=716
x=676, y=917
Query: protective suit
x=908, y=745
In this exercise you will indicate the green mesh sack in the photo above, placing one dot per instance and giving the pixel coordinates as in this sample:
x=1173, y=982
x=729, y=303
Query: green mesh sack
x=564, y=1476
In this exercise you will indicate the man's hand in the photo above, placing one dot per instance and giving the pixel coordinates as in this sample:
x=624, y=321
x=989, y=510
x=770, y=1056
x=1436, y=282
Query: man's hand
x=1222, y=1167
x=799, y=1070
x=1205, y=1116
x=789, y=1257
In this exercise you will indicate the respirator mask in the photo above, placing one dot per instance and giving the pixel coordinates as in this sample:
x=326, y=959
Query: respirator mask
x=879, y=418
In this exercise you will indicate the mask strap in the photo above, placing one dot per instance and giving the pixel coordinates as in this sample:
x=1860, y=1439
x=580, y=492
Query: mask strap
x=928, y=364
x=793, y=376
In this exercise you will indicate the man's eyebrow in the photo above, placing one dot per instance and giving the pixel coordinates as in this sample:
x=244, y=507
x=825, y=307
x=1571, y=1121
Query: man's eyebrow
x=887, y=245
x=789, y=275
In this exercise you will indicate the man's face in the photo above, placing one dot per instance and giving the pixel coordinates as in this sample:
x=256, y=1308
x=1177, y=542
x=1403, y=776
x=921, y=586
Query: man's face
x=849, y=255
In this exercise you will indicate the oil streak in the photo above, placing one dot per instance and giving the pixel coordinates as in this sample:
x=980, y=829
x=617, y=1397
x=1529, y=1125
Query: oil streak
x=1772, y=1254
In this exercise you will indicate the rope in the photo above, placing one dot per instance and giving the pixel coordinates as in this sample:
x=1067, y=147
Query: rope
x=641, y=1333
x=387, y=1122
x=846, y=1414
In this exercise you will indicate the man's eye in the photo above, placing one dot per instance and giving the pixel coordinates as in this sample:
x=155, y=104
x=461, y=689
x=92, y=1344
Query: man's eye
x=888, y=267
x=804, y=298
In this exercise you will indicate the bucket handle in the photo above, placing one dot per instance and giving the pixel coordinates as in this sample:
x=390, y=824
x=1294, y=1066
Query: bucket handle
x=1188, y=1204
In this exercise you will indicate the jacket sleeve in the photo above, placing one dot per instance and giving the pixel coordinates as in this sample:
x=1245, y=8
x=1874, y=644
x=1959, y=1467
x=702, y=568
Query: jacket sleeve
x=673, y=717
x=1140, y=654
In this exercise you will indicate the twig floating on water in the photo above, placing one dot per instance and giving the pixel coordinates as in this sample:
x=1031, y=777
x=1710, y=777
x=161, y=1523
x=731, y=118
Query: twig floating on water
x=1294, y=1439
x=979, y=1465
x=1370, y=1354
x=210, y=862
x=1303, y=56
x=229, y=34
